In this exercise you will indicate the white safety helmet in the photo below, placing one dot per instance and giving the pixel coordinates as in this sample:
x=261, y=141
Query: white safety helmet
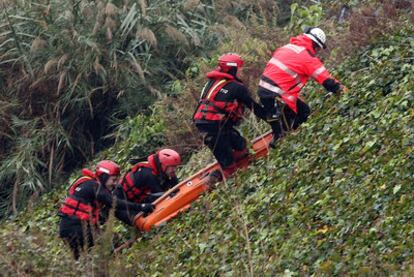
x=317, y=35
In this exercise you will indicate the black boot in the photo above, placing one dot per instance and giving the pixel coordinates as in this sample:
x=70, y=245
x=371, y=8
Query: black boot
x=215, y=177
x=275, y=137
x=272, y=143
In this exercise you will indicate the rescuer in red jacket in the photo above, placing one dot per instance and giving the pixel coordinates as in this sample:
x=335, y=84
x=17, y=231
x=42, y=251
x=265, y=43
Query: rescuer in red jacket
x=286, y=73
x=146, y=181
x=220, y=109
x=87, y=197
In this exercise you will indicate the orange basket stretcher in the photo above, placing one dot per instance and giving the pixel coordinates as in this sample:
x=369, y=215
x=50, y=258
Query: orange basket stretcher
x=180, y=197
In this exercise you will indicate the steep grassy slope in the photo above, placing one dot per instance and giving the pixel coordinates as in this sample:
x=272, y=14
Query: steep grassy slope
x=335, y=197
x=70, y=71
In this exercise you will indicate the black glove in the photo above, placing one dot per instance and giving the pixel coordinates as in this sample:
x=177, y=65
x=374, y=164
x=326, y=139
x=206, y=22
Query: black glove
x=332, y=86
x=146, y=207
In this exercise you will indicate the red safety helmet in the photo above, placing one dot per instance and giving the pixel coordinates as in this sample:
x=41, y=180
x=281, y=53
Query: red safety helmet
x=107, y=167
x=230, y=60
x=168, y=157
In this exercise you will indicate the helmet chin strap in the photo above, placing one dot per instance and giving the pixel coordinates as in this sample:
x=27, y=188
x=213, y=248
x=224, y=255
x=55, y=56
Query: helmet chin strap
x=158, y=163
x=233, y=71
x=163, y=175
x=316, y=46
x=103, y=179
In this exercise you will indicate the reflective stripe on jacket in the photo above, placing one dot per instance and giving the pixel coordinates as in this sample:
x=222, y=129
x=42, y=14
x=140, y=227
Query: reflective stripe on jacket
x=290, y=68
x=213, y=110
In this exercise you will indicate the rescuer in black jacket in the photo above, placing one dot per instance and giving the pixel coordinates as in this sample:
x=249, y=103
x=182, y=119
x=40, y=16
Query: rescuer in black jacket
x=87, y=197
x=146, y=181
x=220, y=108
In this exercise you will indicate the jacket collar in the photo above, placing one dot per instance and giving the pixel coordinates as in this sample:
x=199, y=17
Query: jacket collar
x=88, y=173
x=152, y=162
x=216, y=74
x=302, y=40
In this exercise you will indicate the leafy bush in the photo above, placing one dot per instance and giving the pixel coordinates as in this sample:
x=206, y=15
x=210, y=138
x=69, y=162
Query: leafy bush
x=332, y=199
x=69, y=69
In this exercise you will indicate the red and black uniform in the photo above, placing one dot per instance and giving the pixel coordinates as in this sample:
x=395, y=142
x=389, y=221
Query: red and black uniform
x=80, y=212
x=141, y=183
x=286, y=73
x=221, y=106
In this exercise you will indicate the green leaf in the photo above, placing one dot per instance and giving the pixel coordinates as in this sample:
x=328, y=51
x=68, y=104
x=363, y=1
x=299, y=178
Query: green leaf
x=396, y=189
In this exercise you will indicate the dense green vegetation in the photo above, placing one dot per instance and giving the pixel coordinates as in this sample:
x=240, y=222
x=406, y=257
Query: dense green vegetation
x=70, y=71
x=334, y=198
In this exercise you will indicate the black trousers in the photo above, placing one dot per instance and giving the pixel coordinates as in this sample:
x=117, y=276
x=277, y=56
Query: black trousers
x=222, y=142
x=76, y=233
x=288, y=119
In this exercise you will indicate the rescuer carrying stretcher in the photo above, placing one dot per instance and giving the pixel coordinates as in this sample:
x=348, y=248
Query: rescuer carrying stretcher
x=146, y=181
x=87, y=197
x=220, y=109
x=286, y=73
